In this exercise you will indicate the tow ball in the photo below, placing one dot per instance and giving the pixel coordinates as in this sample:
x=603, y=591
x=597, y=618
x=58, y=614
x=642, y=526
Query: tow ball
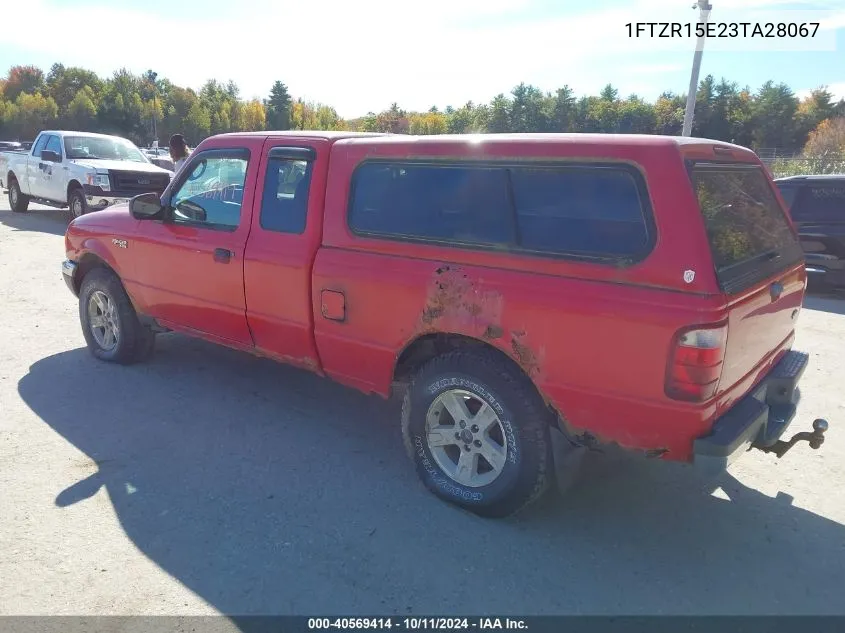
x=815, y=439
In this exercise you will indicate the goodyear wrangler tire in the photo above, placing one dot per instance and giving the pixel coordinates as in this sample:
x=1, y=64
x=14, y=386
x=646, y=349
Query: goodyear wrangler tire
x=477, y=433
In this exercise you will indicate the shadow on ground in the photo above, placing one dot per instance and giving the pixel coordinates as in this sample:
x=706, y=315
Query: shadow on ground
x=40, y=219
x=265, y=489
x=825, y=302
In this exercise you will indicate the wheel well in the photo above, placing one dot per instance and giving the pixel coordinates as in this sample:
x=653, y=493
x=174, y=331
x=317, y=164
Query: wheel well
x=11, y=176
x=87, y=263
x=429, y=346
x=73, y=184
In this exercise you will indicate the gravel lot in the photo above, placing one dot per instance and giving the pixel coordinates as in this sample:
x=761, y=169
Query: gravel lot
x=210, y=481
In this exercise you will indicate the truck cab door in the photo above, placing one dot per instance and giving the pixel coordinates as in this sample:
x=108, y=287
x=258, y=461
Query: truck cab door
x=285, y=236
x=32, y=177
x=51, y=181
x=189, y=267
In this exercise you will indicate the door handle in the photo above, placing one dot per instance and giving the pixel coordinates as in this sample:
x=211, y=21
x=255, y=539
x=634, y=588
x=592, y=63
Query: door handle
x=223, y=255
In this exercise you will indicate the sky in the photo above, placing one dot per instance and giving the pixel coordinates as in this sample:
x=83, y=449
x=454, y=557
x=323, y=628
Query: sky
x=362, y=55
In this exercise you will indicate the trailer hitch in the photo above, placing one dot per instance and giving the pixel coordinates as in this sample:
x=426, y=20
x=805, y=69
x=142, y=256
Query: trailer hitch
x=815, y=439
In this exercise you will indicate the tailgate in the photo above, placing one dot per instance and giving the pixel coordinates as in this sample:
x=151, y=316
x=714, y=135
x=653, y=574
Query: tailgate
x=758, y=261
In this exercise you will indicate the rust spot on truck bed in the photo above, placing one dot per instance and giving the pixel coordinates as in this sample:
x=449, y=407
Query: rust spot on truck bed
x=457, y=303
x=523, y=354
x=493, y=332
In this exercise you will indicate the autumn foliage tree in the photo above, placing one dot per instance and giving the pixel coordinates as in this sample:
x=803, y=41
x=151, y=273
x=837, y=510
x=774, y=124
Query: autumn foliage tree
x=827, y=138
x=147, y=106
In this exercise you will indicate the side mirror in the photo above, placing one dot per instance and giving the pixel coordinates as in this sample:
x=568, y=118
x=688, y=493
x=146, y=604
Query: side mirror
x=146, y=206
x=49, y=156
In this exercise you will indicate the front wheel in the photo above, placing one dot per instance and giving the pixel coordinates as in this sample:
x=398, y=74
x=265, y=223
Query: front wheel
x=110, y=324
x=478, y=433
x=76, y=203
x=18, y=202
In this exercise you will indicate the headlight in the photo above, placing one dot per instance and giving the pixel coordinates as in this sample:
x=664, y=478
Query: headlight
x=99, y=180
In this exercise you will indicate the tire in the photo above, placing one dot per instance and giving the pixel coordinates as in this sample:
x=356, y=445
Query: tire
x=76, y=203
x=18, y=202
x=518, y=438
x=102, y=299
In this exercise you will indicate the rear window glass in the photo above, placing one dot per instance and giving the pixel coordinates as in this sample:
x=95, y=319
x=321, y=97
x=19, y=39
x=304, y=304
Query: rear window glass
x=822, y=203
x=744, y=221
x=586, y=210
x=592, y=211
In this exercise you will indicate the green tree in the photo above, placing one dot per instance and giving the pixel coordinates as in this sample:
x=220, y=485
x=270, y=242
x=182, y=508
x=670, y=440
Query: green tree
x=33, y=113
x=636, y=116
x=462, y=120
x=197, y=124
x=563, y=110
x=278, y=107
x=702, y=123
x=63, y=84
x=499, y=120
x=369, y=123
x=121, y=109
x=609, y=93
x=327, y=118
x=773, y=114
x=669, y=114
x=81, y=112
x=528, y=112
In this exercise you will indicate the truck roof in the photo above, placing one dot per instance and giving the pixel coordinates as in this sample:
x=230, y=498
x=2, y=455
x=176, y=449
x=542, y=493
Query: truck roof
x=74, y=133
x=647, y=140
x=326, y=134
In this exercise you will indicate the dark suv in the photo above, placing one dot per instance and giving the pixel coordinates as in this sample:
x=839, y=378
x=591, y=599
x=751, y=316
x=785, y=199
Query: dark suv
x=817, y=207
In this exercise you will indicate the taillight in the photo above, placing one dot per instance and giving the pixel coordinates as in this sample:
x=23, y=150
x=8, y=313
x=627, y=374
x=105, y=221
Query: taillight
x=696, y=362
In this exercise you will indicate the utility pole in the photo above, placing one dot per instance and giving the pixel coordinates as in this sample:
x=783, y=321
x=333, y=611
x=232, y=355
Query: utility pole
x=155, y=113
x=704, y=7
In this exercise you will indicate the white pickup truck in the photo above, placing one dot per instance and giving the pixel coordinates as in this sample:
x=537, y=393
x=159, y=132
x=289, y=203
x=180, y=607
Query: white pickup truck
x=79, y=171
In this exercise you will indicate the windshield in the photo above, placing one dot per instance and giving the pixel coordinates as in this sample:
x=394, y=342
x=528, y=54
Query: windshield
x=102, y=147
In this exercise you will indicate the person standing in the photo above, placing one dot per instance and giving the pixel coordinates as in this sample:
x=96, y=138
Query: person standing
x=179, y=151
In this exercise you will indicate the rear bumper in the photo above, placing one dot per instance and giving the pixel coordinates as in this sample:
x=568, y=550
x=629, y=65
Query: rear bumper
x=756, y=421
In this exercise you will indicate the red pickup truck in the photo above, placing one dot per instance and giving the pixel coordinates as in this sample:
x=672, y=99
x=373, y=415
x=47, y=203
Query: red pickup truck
x=530, y=294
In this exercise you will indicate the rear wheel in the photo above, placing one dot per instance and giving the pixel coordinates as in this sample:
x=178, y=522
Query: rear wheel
x=76, y=203
x=18, y=202
x=110, y=324
x=478, y=433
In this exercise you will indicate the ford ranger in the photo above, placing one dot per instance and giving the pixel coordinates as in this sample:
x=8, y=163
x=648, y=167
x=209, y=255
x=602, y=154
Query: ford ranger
x=530, y=296
x=79, y=171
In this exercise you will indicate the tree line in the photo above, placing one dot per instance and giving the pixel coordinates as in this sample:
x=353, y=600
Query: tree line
x=144, y=107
